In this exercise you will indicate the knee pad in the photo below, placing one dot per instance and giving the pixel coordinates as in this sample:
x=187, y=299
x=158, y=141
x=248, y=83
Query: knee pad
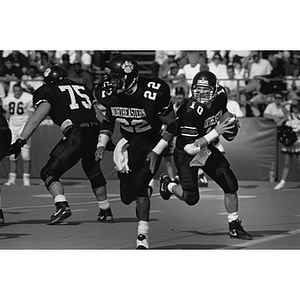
x=25, y=153
x=47, y=178
x=191, y=198
x=97, y=181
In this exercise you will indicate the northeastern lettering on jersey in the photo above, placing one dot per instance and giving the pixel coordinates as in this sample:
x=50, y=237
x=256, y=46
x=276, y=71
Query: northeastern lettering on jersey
x=128, y=112
x=197, y=120
x=137, y=113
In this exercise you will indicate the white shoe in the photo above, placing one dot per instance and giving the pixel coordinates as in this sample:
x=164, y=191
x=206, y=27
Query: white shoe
x=279, y=186
x=26, y=182
x=11, y=179
x=9, y=182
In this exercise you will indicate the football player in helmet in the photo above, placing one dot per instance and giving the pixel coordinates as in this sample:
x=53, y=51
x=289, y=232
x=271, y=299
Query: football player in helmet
x=71, y=106
x=136, y=104
x=5, y=140
x=199, y=125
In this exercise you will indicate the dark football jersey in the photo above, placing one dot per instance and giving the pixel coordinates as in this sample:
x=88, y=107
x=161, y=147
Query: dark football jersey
x=138, y=114
x=68, y=100
x=3, y=121
x=196, y=120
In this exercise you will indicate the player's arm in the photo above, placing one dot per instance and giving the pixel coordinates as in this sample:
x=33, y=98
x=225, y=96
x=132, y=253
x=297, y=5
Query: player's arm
x=31, y=125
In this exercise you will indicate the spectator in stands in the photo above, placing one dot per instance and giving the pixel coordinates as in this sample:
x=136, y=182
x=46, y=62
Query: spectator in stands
x=275, y=110
x=43, y=62
x=19, y=60
x=293, y=84
x=18, y=107
x=53, y=60
x=161, y=58
x=66, y=65
x=174, y=76
x=9, y=75
x=232, y=105
x=192, y=68
x=239, y=71
x=268, y=85
x=81, y=76
x=32, y=80
x=293, y=121
x=84, y=58
x=217, y=67
x=257, y=66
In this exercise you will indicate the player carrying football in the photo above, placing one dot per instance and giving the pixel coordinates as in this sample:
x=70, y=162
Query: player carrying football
x=199, y=124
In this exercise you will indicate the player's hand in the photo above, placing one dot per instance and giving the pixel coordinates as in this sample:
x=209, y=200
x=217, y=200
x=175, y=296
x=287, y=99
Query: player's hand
x=152, y=157
x=16, y=148
x=226, y=126
x=99, y=153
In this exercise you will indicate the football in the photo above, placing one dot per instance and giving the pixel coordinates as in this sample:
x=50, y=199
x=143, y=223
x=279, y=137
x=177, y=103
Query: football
x=230, y=136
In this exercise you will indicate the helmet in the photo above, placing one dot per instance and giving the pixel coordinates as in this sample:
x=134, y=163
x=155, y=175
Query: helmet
x=53, y=74
x=123, y=72
x=204, y=87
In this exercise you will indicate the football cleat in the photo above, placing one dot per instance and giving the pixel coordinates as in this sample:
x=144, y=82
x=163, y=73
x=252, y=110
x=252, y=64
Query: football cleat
x=142, y=242
x=164, y=181
x=237, y=231
x=105, y=215
x=1, y=218
x=279, y=186
x=63, y=212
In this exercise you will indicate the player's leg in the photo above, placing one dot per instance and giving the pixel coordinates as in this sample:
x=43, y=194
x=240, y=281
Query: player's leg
x=12, y=163
x=187, y=190
x=63, y=157
x=285, y=171
x=218, y=168
x=98, y=183
x=25, y=154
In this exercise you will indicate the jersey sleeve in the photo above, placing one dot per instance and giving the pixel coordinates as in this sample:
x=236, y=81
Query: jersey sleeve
x=40, y=96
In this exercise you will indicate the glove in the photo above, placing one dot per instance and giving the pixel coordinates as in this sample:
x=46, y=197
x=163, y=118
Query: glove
x=16, y=147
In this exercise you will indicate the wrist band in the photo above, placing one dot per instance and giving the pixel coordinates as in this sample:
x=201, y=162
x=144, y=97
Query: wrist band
x=160, y=147
x=211, y=136
x=102, y=140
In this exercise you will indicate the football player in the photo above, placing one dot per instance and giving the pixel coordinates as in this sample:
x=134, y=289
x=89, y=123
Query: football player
x=136, y=104
x=70, y=106
x=199, y=124
x=18, y=106
x=5, y=140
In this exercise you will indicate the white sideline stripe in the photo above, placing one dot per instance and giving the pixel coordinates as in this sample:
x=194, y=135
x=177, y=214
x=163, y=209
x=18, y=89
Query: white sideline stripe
x=265, y=239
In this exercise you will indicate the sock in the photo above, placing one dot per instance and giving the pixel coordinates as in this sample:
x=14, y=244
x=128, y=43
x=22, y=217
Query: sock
x=26, y=175
x=233, y=216
x=0, y=200
x=282, y=181
x=170, y=186
x=60, y=198
x=143, y=228
x=103, y=204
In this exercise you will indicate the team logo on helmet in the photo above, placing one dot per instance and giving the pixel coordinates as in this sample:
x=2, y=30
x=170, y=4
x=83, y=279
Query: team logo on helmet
x=202, y=82
x=47, y=72
x=127, y=67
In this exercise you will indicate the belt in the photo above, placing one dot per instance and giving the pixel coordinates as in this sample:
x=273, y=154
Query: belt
x=89, y=124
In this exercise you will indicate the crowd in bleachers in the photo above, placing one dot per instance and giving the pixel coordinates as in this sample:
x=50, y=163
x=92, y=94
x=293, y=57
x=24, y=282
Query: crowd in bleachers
x=252, y=77
x=27, y=67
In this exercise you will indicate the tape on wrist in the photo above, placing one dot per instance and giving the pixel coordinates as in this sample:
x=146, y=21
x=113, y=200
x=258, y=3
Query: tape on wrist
x=102, y=140
x=160, y=147
x=211, y=136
